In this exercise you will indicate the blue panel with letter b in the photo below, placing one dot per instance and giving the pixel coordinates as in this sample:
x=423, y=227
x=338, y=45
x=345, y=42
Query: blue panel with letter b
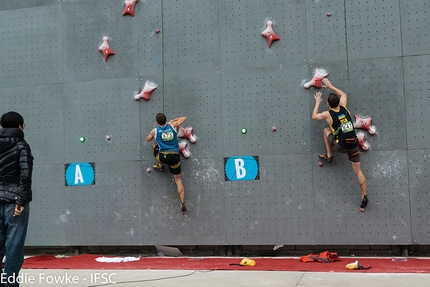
x=241, y=168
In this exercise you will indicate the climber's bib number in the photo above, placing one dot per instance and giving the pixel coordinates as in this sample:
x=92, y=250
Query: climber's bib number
x=167, y=136
x=346, y=127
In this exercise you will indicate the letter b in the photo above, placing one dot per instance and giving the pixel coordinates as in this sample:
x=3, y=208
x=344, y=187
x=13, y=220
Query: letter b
x=240, y=169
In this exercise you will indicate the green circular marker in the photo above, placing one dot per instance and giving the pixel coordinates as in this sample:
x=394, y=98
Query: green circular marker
x=244, y=131
x=81, y=139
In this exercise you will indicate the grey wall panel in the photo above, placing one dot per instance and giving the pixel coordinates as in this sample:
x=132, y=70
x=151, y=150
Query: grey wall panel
x=163, y=222
x=241, y=42
x=414, y=26
x=31, y=46
x=85, y=24
x=149, y=18
x=325, y=35
x=419, y=182
x=96, y=109
x=11, y=5
x=258, y=100
x=49, y=212
x=42, y=109
x=337, y=199
x=197, y=96
x=109, y=212
x=377, y=92
x=388, y=181
x=192, y=36
x=373, y=29
x=206, y=199
x=104, y=1
x=416, y=74
x=275, y=209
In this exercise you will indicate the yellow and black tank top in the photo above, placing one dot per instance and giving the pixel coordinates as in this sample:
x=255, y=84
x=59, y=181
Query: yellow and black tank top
x=343, y=128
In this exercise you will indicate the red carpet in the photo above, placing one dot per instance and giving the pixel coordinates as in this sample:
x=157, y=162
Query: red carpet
x=87, y=261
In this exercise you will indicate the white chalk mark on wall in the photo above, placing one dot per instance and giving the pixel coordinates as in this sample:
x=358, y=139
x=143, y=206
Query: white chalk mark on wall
x=63, y=217
x=206, y=170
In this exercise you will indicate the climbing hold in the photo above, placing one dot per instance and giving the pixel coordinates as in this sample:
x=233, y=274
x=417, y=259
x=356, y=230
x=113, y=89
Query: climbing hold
x=364, y=123
x=269, y=34
x=129, y=7
x=187, y=133
x=184, y=149
x=319, y=75
x=362, y=142
x=105, y=49
x=146, y=91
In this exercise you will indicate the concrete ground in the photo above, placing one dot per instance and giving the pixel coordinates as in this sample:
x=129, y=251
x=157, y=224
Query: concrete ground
x=187, y=278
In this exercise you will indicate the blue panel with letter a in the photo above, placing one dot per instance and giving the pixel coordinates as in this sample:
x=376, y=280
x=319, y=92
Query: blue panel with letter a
x=80, y=173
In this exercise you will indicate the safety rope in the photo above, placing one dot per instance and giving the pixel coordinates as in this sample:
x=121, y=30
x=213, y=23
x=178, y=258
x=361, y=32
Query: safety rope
x=346, y=50
x=162, y=55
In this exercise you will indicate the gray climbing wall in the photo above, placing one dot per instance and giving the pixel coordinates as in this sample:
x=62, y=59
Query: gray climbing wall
x=212, y=65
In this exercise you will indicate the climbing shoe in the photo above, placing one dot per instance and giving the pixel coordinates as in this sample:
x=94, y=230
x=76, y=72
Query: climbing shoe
x=157, y=167
x=364, y=202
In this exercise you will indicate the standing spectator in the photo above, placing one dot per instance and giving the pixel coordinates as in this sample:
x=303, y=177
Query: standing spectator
x=16, y=168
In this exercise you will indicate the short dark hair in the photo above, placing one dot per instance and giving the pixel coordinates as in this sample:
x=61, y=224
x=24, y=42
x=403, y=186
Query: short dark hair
x=161, y=119
x=12, y=120
x=333, y=100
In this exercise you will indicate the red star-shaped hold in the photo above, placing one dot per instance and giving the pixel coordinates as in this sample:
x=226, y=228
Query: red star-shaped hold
x=316, y=81
x=129, y=7
x=184, y=149
x=269, y=34
x=362, y=142
x=364, y=123
x=146, y=91
x=105, y=49
x=187, y=133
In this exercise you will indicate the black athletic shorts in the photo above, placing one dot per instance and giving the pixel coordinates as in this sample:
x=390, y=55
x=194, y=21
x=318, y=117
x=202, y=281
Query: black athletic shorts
x=353, y=152
x=172, y=159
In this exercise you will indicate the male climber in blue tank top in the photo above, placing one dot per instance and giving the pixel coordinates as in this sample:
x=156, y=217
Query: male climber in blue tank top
x=166, y=150
x=340, y=134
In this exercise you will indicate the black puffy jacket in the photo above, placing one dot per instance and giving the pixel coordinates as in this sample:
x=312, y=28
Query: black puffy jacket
x=16, y=167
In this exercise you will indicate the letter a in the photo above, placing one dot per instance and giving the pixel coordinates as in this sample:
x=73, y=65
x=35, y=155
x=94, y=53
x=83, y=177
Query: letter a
x=240, y=170
x=78, y=175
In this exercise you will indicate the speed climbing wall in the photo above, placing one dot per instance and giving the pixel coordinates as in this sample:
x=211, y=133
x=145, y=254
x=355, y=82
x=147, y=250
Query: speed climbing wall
x=244, y=99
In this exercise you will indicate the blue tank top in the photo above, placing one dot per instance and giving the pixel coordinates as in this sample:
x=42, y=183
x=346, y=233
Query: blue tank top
x=166, y=138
